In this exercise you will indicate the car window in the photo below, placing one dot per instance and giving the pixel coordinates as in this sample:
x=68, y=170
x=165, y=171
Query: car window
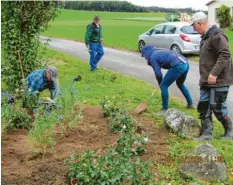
x=158, y=29
x=169, y=29
x=188, y=30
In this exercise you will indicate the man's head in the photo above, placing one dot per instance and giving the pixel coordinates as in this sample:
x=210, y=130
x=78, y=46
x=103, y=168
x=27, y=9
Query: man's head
x=200, y=23
x=96, y=19
x=51, y=73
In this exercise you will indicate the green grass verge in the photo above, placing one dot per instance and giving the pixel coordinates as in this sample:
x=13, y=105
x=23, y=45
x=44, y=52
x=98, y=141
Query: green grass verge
x=95, y=85
x=122, y=34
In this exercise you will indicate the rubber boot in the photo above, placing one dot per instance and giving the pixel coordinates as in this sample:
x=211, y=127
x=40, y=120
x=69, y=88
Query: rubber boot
x=227, y=124
x=207, y=130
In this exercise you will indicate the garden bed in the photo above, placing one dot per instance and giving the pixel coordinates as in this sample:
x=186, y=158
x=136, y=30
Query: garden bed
x=20, y=165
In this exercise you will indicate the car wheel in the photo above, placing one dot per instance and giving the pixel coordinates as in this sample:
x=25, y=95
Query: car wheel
x=141, y=43
x=176, y=49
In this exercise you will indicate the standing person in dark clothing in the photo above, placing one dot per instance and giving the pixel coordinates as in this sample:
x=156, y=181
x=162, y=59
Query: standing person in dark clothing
x=93, y=41
x=177, y=66
x=216, y=75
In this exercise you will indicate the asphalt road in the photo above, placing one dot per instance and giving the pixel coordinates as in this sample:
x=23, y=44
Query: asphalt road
x=132, y=64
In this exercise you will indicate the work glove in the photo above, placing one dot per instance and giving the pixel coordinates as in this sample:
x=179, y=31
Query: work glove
x=48, y=100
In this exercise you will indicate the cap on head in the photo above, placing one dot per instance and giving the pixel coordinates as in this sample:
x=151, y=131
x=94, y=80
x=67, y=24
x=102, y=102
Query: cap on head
x=96, y=18
x=198, y=16
x=53, y=72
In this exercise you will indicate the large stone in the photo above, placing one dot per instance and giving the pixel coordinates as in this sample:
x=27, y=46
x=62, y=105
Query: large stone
x=205, y=163
x=190, y=127
x=174, y=120
x=181, y=124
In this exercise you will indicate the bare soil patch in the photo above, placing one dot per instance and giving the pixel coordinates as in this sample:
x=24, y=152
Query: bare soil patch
x=20, y=165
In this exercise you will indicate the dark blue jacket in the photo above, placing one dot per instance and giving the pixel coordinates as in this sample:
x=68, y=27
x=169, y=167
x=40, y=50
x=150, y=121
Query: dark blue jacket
x=161, y=58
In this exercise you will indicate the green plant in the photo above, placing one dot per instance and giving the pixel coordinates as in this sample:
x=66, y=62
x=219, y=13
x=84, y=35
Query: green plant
x=129, y=144
x=67, y=111
x=225, y=19
x=110, y=168
x=21, y=23
x=13, y=116
x=112, y=105
x=41, y=136
x=121, y=121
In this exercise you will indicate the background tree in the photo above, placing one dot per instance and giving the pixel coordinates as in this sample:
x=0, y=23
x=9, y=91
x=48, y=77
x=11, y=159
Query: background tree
x=225, y=18
x=22, y=22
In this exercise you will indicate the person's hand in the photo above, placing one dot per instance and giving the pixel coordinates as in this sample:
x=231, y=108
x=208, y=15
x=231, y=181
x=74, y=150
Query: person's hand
x=212, y=79
x=87, y=46
x=101, y=41
x=48, y=100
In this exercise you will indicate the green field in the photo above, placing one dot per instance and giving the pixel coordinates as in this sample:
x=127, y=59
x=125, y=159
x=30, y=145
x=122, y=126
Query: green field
x=118, y=32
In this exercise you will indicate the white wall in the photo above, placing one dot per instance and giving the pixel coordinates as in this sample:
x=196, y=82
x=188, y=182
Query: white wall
x=212, y=10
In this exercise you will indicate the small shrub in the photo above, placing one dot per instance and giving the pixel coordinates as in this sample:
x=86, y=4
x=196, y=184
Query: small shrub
x=121, y=121
x=41, y=136
x=13, y=116
x=112, y=105
x=110, y=168
x=129, y=144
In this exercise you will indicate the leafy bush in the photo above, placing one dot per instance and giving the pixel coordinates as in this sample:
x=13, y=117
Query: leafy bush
x=13, y=116
x=22, y=23
x=121, y=121
x=225, y=18
x=129, y=144
x=110, y=168
x=112, y=105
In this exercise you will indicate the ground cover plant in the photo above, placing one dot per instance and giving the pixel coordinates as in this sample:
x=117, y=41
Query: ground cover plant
x=93, y=132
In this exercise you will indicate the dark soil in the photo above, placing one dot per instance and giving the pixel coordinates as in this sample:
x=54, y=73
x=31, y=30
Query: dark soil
x=21, y=165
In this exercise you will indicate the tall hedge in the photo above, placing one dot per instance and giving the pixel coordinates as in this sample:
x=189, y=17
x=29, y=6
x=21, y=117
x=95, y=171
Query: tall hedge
x=21, y=23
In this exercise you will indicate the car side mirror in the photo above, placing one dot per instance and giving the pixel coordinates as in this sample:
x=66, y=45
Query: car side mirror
x=150, y=32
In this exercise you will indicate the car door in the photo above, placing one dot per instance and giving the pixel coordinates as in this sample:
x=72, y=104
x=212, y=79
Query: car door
x=168, y=36
x=156, y=36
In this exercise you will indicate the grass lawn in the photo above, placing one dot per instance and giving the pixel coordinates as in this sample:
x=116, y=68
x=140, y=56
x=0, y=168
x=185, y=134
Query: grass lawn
x=94, y=86
x=122, y=34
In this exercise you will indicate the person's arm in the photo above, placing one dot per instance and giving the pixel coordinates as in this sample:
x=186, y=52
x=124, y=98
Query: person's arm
x=101, y=35
x=54, y=90
x=224, y=56
x=157, y=71
x=88, y=34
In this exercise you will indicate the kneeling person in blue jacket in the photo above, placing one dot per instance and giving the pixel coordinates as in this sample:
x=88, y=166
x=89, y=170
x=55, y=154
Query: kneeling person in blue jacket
x=177, y=66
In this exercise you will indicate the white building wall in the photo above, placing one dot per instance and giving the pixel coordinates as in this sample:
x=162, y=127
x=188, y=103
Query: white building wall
x=212, y=10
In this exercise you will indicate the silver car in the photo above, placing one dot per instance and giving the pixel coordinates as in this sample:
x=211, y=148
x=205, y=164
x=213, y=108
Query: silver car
x=177, y=36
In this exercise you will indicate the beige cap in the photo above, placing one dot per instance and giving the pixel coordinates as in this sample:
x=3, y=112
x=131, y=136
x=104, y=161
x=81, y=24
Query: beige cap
x=197, y=17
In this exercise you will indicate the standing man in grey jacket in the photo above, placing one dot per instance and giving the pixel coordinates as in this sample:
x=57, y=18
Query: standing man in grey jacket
x=216, y=75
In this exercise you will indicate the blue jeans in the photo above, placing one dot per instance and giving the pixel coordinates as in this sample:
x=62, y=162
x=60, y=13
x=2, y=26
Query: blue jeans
x=96, y=52
x=213, y=99
x=178, y=73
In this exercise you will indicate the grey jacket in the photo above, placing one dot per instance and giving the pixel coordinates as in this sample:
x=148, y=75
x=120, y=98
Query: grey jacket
x=215, y=58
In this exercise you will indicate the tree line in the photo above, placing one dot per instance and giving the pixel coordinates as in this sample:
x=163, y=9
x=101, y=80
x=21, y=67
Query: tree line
x=119, y=6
